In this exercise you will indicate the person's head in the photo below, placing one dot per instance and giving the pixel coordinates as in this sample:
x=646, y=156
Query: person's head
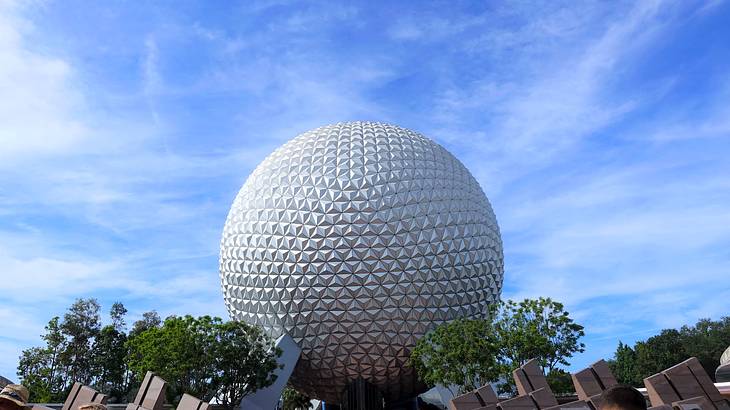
x=14, y=397
x=622, y=397
x=92, y=406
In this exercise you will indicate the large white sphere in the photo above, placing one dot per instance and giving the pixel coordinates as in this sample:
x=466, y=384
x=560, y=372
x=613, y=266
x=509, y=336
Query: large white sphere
x=356, y=239
x=725, y=358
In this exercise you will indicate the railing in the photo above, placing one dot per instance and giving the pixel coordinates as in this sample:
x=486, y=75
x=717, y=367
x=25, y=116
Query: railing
x=724, y=389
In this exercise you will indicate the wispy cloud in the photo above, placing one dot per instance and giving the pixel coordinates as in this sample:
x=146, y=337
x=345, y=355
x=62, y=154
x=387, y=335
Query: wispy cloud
x=560, y=99
x=589, y=216
x=40, y=105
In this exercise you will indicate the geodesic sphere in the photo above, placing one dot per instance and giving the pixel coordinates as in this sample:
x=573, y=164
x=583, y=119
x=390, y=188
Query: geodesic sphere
x=725, y=358
x=356, y=239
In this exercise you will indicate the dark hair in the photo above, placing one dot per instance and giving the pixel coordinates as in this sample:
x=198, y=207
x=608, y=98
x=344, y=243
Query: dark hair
x=624, y=397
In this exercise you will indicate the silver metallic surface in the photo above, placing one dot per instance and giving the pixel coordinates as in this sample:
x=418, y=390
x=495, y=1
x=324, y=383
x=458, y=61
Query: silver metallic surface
x=268, y=397
x=356, y=239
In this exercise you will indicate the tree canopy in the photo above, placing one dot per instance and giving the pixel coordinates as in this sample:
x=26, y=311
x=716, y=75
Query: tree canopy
x=294, y=400
x=70, y=353
x=537, y=329
x=203, y=356
x=461, y=353
x=244, y=360
x=706, y=340
x=180, y=352
x=467, y=353
x=206, y=357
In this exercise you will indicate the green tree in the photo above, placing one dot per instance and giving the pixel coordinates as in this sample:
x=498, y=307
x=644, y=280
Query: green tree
x=33, y=372
x=244, y=359
x=560, y=381
x=536, y=329
x=117, y=313
x=468, y=353
x=180, y=352
x=110, y=356
x=632, y=365
x=624, y=365
x=81, y=324
x=659, y=352
x=39, y=368
x=55, y=344
x=705, y=340
x=461, y=353
x=205, y=357
x=294, y=400
x=149, y=320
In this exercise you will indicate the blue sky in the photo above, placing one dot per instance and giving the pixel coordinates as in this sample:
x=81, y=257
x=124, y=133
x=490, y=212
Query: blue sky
x=599, y=131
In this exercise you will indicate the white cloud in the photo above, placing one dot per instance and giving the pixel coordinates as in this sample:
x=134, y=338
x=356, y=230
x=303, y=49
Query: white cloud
x=151, y=74
x=104, y=173
x=627, y=233
x=552, y=87
x=40, y=105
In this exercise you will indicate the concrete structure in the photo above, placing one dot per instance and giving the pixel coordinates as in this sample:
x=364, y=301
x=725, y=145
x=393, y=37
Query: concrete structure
x=356, y=239
x=4, y=382
x=267, y=399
